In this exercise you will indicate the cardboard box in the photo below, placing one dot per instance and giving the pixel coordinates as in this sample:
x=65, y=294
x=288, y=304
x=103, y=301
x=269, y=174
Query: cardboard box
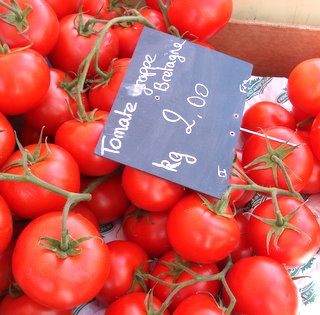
x=273, y=49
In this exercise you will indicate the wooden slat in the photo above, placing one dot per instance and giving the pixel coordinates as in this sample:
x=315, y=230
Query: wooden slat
x=274, y=49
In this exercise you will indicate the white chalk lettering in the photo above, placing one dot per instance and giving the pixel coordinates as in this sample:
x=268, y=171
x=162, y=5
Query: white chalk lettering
x=172, y=116
x=115, y=143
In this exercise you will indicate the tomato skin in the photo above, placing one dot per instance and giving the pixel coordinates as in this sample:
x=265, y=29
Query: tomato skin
x=125, y=258
x=129, y=36
x=293, y=248
x=6, y=278
x=103, y=96
x=24, y=80
x=205, y=18
x=54, y=282
x=266, y=114
x=70, y=132
x=236, y=178
x=6, y=225
x=42, y=31
x=150, y=192
x=54, y=108
x=302, y=155
x=102, y=9
x=251, y=279
x=315, y=136
x=108, y=200
x=163, y=272
x=23, y=305
x=72, y=48
x=202, y=236
x=7, y=139
x=133, y=304
x=87, y=213
x=148, y=229
x=63, y=8
x=304, y=86
x=28, y=200
x=198, y=304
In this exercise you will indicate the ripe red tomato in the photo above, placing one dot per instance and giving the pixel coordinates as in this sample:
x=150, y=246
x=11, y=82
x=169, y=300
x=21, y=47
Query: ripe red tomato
x=148, y=229
x=261, y=283
x=294, y=247
x=80, y=139
x=29, y=135
x=205, y=18
x=63, y=8
x=56, y=282
x=108, y=200
x=304, y=86
x=129, y=35
x=136, y=303
x=125, y=258
x=24, y=80
x=23, y=305
x=315, y=136
x=150, y=192
x=56, y=107
x=87, y=213
x=72, y=48
x=195, y=232
x=154, y=4
x=6, y=278
x=299, y=162
x=174, y=274
x=28, y=200
x=198, y=304
x=42, y=31
x=266, y=114
x=103, y=96
x=102, y=9
x=6, y=225
x=7, y=139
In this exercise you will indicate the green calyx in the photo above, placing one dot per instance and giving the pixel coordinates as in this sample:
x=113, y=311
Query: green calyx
x=56, y=246
x=273, y=159
x=16, y=16
x=218, y=208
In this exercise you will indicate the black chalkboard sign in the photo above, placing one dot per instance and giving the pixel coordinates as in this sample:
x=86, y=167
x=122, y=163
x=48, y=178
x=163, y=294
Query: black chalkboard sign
x=178, y=112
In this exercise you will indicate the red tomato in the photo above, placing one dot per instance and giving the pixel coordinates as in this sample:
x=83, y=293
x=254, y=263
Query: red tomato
x=103, y=96
x=299, y=162
x=205, y=18
x=200, y=235
x=56, y=282
x=236, y=178
x=7, y=139
x=264, y=115
x=244, y=199
x=23, y=305
x=87, y=213
x=108, y=200
x=28, y=200
x=198, y=304
x=150, y=192
x=42, y=31
x=136, y=303
x=313, y=184
x=304, y=121
x=204, y=44
x=63, y=8
x=304, y=86
x=148, y=229
x=29, y=135
x=72, y=48
x=80, y=139
x=294, y=247
x=5, y=270
x=154, y=4
x=129, y=35
x=125, y=258
x=24, y=80
x=315, y=136
x=261, y=283
x=102, y=9
x=56, y=107
x=166, y=270
x=6, y=227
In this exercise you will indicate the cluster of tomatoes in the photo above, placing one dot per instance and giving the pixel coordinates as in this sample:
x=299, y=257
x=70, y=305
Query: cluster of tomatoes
x=56, y=193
